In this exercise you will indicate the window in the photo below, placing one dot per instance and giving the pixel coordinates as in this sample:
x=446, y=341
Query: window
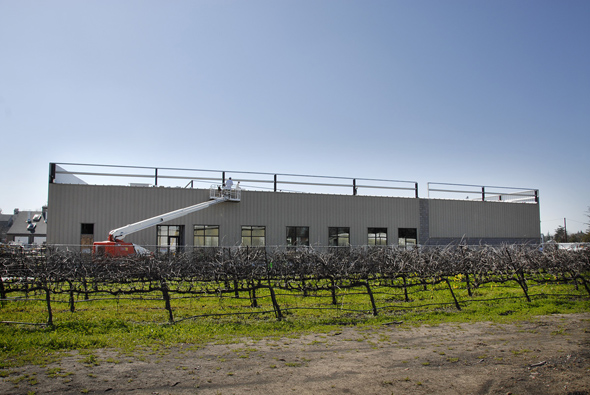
x=407, y=237
x=170, y=238
x=254, y=236
x=297, y=235
x=338, y=237
x=377, y=236
x=86, y=238
x=87, y=229
x=206, y=236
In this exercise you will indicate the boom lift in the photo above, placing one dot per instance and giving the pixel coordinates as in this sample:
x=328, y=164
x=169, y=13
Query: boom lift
x=115, y=247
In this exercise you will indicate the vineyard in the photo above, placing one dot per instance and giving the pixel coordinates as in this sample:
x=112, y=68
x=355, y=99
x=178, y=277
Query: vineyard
x=42, y=288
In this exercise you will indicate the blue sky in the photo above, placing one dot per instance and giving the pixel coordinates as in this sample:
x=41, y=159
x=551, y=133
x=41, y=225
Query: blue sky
x=470, y=92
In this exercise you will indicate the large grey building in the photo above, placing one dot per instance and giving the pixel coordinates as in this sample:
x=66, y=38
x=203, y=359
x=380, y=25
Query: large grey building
x=81, y=212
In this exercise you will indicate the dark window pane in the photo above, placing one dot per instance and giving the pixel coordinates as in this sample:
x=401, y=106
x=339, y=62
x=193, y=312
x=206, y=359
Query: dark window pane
x=87, y=229
x=297, y=235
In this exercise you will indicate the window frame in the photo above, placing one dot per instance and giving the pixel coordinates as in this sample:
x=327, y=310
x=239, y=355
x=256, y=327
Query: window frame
x=207, y=238
x=335, y=237
x=178, y=236
x=376, y=231
x=404, y=235
x=251, y=237
x=298, y=241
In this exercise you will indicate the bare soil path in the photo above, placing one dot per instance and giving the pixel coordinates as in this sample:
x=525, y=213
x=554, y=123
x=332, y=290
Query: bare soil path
x=548, y=355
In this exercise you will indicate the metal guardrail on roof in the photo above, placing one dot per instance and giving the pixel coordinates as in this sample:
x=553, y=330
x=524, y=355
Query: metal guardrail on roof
x=487, y=193
x=78, y=173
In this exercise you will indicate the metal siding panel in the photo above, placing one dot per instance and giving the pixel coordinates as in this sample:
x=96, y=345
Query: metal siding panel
x=483, y=219
x=109, y=207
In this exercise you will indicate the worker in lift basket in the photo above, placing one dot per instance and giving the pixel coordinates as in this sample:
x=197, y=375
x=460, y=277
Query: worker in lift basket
x=227, y=187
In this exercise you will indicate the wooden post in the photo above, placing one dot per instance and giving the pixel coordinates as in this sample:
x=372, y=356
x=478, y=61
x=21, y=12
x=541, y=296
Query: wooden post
x=166, y=296
x=72, y=307
x=253, y=301
x=48, y=300
x=371, y=297
x=406, y=298
x=333, y=289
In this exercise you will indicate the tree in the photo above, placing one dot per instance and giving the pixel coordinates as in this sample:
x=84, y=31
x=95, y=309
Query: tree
x=576, y=237
x=559, y=234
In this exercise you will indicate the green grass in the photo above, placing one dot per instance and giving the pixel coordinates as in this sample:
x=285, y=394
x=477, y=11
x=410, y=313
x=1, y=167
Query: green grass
x=130, y=325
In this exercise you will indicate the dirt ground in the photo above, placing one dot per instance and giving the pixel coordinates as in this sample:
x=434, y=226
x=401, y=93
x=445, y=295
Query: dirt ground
x=548, y=355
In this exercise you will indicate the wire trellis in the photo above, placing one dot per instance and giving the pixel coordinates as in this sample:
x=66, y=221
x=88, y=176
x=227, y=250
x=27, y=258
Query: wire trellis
x=388, y=278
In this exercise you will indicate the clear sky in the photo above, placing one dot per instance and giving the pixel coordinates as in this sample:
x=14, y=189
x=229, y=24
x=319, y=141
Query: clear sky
x=470, y=92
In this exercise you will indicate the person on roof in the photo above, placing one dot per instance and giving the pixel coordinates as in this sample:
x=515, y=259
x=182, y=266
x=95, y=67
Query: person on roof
x=229, y=183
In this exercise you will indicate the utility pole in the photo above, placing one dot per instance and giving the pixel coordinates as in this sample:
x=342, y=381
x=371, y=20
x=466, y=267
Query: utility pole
x=565, y=229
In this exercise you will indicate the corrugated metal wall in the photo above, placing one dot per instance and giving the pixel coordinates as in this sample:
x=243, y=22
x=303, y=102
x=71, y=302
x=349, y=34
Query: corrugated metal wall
x=110, y=207
x=472, y=219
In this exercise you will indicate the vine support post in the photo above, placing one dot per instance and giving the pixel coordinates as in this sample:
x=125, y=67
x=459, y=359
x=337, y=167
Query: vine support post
x=452, y=293
x=166, y=296
x=366, y=283
x=253, y=301
x=71, y=292
x=333, y=290
x=48, y=301
x=406, y=298
x=275, y=304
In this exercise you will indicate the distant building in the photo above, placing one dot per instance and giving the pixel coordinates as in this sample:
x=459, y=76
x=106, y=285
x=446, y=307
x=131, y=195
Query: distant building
x=5, y=224
x=28, y=228
x=268, y=216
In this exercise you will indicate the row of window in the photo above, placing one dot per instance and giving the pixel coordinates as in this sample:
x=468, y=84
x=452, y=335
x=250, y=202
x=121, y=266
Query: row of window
x=255, y=236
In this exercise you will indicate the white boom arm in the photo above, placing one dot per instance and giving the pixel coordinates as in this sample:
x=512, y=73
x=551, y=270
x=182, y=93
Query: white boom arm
x=119, y=233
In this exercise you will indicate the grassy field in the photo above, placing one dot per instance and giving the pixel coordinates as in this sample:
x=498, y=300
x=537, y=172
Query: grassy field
x=127, y=323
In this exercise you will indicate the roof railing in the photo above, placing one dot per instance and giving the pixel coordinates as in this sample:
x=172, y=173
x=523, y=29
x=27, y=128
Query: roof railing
x=277, y=182
x=488, y=193
x=194, y=178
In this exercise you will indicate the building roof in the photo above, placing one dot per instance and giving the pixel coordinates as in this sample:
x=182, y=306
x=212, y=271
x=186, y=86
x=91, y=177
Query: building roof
x=28, y=222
